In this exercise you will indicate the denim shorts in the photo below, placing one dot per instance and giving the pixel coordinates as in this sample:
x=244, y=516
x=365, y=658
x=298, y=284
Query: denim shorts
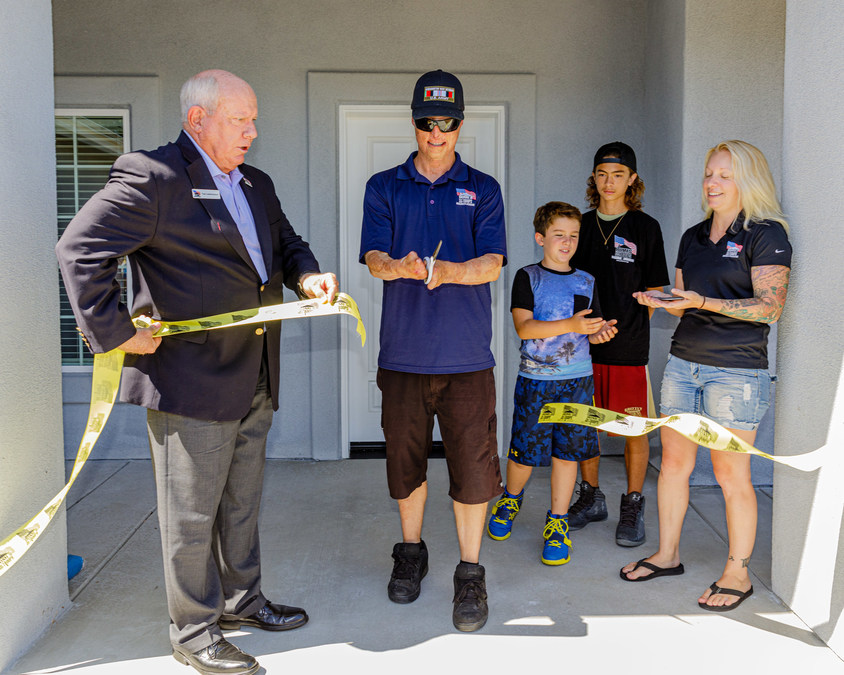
x=736, y=398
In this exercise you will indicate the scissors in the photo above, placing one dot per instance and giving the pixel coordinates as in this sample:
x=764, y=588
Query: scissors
x=429, y=263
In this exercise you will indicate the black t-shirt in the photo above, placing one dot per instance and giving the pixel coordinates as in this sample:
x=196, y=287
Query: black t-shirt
x=722, y=270
x=631, y=259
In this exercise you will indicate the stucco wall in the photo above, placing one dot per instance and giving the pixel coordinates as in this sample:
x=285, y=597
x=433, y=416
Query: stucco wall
x=34, y=591
x=589, y=90
x=808, y=570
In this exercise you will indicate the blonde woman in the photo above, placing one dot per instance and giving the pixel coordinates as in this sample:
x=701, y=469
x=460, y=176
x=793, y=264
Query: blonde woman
x=731, y=282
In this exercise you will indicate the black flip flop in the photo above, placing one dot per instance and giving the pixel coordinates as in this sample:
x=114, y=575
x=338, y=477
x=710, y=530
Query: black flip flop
x=716, y=589
x=657, y=571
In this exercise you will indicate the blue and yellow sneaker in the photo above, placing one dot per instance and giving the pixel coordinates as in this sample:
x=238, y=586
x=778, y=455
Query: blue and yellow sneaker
x=557, y=550
x=503, y=513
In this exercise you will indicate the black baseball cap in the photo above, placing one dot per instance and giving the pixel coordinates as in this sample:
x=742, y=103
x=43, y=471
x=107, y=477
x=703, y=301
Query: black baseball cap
x=615, y=153
x=437, y=94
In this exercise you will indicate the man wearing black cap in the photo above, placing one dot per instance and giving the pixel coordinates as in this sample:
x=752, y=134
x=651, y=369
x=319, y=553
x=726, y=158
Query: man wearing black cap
x=621, y=246
x=436, y=328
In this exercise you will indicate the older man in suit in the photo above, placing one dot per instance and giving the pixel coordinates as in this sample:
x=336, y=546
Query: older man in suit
x=204, y=234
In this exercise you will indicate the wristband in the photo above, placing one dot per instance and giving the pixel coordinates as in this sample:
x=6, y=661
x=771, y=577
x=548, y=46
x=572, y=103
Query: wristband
x=702, y=303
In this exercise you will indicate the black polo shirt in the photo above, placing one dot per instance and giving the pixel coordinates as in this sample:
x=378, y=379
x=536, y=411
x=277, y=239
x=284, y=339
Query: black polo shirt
x=722, y=270
x=624, y=255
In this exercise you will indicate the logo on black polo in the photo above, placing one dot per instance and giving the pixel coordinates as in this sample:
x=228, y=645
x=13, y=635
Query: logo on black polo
x=733, y=250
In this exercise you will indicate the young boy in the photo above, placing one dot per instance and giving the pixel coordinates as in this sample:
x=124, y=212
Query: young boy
x=551, y=304
x=622, y=248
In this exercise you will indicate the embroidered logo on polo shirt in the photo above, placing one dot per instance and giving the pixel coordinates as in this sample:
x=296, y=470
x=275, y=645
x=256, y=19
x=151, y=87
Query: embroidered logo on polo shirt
x=625, y=250
x=466, y=197
x=733, y=250
x=439, y=94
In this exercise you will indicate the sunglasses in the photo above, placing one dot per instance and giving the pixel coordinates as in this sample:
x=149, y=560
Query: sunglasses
x=428, y=124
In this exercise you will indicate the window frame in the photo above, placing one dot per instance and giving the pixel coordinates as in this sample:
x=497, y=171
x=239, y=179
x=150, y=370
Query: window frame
x=93, y=112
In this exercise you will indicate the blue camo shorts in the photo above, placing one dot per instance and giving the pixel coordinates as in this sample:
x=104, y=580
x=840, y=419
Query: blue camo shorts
x=736, y=398
x=532, y=443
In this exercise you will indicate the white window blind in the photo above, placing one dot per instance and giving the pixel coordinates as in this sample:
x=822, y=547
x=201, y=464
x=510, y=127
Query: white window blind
x=87, y=143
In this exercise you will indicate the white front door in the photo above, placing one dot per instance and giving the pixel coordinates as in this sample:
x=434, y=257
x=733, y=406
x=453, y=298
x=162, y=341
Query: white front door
x=373, y=138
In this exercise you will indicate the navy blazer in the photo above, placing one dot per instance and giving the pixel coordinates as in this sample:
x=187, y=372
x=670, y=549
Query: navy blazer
x=187, y=260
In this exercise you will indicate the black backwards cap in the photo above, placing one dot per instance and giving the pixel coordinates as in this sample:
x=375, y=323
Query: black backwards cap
x=615, y=153
x=437, y=94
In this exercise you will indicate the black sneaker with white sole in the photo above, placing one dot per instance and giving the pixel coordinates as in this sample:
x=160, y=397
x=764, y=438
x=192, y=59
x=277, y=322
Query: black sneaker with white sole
x=410, y=564
x=590, y=507
x=470, y=600
x=631, y=521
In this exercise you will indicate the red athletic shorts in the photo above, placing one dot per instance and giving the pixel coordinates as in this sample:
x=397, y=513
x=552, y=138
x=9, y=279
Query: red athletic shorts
x=624, y=389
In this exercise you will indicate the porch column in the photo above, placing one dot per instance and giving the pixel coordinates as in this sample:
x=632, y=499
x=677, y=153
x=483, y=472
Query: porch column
x=34, y=591
x=808, y=528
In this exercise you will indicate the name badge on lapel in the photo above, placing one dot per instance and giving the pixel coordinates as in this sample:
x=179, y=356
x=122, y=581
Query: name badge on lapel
x=199, y=193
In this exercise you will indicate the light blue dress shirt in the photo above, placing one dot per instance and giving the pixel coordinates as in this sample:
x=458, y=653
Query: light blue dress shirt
x=231, y=192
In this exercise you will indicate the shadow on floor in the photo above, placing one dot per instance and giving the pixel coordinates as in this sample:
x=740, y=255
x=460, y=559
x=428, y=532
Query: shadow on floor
x=327, y=532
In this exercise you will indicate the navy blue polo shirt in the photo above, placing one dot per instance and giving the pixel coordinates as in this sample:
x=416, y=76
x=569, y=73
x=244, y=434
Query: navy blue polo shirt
x=449, y=329
x=722, y=270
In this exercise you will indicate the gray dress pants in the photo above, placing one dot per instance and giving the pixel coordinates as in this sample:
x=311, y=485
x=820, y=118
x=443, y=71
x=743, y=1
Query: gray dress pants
x=209, y=477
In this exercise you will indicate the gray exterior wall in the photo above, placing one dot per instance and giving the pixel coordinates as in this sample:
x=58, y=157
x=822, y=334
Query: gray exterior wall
x=637, y=71
x=31, y=468
x=663, y=153
x=587, y=92
x=670, y=92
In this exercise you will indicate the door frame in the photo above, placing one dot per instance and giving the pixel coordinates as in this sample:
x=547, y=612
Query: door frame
x=327, y=91
x=349, y=258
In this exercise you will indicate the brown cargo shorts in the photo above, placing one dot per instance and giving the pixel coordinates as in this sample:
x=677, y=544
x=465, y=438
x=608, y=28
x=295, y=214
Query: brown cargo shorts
x=464, y=404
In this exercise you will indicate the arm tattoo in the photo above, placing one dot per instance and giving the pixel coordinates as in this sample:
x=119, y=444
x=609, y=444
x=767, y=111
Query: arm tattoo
x=770, y=287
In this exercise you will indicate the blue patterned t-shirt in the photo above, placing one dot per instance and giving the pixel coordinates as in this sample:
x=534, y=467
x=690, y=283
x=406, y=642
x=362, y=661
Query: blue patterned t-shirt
x=552, y=296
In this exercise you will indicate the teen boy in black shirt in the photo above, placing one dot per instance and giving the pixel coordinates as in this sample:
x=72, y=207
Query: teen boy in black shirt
x=621, y=246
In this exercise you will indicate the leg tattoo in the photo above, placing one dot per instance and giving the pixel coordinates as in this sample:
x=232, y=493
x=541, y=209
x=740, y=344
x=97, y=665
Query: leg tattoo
x=745, y=562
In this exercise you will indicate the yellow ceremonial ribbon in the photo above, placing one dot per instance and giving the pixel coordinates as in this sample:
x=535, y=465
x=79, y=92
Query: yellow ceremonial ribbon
x=699, y=429
x=343, y=304
x=106, y=381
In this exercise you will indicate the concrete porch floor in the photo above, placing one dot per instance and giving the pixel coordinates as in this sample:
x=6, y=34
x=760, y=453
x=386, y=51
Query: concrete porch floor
x=327, y=533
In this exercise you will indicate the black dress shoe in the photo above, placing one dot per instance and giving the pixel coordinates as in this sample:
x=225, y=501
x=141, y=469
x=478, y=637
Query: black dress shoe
x=221, y=658
x=269, y=617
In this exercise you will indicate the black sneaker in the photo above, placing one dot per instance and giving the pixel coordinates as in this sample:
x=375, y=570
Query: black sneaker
x=631, y=522
x=590, y=507
x=470, y=607
x=411, y=564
